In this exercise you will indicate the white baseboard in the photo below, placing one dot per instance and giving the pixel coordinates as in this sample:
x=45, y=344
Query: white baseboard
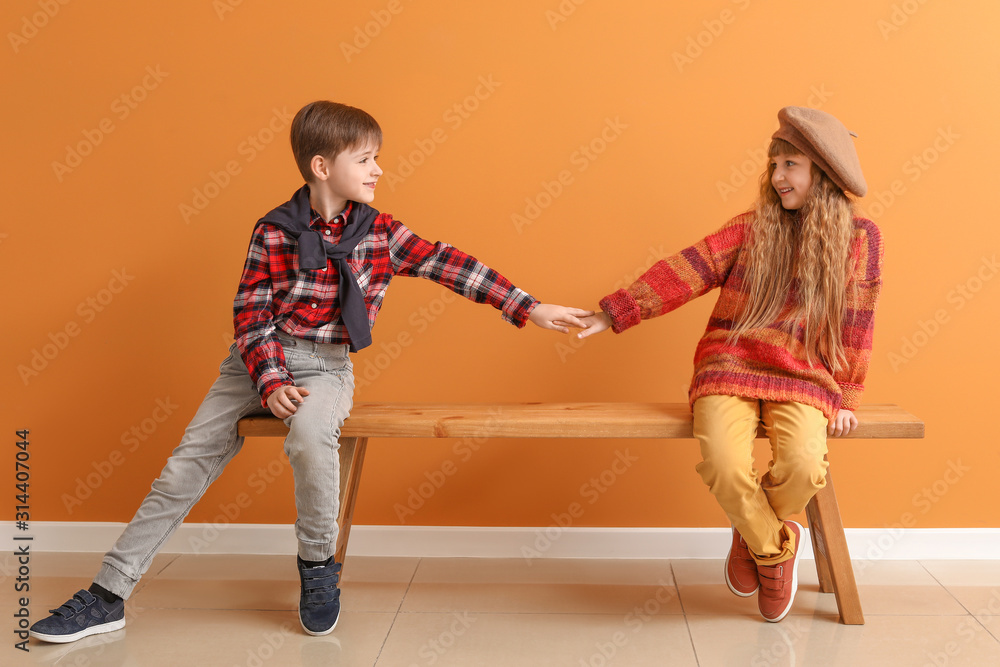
x=480, y=542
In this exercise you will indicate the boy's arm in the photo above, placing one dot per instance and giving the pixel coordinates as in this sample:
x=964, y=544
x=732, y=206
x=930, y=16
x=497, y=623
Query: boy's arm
x=459, y=272
x=253, y=320
x=859, y=316
x=674, y=281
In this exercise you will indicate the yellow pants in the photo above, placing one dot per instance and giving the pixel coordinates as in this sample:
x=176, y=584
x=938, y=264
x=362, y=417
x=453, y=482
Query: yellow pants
x=725, y=427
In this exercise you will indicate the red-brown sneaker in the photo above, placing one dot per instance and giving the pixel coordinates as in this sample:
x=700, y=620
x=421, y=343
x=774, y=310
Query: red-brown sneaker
x=741, y=569
x=779, y=582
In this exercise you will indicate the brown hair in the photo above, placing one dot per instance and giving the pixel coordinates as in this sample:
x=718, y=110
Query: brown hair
x=810, y=247
x=327, y=129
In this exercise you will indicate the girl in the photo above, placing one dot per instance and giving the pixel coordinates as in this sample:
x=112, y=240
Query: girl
x=787, y=344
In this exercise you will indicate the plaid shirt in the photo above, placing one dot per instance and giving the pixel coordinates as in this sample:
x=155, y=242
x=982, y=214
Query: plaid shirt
x=274, y=292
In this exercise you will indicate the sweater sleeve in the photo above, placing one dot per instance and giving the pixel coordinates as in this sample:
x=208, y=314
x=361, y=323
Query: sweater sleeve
x=859, y=316
x=674, y=281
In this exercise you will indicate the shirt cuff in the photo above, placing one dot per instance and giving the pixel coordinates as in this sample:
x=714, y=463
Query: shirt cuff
x=850, y=396
x=269, y=383
x=517, y=307
x=622, y=309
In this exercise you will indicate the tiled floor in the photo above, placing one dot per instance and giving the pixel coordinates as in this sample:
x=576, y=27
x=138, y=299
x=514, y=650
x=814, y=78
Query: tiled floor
x=411, y=612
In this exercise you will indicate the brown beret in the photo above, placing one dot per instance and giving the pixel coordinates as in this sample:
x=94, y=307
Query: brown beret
x=824, y=140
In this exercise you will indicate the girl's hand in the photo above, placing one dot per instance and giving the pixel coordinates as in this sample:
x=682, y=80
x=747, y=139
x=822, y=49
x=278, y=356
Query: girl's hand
x=560, y=318
x=595, y=323
x=843, y=423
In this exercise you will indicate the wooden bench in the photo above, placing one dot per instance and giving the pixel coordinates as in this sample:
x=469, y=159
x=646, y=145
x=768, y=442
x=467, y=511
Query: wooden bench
x=591, y=420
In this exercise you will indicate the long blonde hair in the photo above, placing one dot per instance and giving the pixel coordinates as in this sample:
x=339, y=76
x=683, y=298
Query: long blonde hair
x=810, y=249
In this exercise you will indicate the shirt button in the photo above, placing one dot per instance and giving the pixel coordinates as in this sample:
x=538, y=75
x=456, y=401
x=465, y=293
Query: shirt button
x=328, y=232
x=312, y=305
x=323, y=269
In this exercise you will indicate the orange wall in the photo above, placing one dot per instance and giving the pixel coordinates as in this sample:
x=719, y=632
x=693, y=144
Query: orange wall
x=200, y=83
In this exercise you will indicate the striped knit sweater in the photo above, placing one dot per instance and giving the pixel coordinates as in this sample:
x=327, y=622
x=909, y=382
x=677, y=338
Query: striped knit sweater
x=768, y=363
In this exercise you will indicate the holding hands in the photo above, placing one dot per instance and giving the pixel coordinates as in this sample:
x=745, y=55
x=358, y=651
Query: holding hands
x=559, y=318
x=594, y=324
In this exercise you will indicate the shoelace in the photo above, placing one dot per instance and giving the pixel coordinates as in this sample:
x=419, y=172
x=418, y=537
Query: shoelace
x=320, y=584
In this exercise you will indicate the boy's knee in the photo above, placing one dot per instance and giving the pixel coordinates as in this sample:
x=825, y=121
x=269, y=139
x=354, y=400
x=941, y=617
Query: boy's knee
x=310, y=439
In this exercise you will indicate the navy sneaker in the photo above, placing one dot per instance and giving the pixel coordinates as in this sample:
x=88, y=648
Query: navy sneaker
x=82, y=615
x=319, y=602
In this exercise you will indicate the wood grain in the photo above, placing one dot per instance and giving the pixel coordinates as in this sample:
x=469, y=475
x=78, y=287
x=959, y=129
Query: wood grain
x=556, y=420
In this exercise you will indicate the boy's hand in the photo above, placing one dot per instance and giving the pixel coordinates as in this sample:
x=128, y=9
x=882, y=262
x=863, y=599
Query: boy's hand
x=595, y=324
x=280, y=400
x=843, y=423
x=560, y=318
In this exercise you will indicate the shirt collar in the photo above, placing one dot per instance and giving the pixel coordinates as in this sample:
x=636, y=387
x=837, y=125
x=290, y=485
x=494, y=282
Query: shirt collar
x=318, y=221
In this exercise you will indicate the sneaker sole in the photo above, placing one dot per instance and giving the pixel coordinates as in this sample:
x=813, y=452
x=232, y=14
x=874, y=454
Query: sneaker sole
x=318, y=634
x=795, y=579
x=725, y=567
x=86, y=632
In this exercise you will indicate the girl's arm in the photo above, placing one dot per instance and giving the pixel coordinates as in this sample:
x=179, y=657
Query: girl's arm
x=673, y=281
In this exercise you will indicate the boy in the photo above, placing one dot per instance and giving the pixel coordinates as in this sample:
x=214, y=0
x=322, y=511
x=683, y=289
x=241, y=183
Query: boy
x=315, y=275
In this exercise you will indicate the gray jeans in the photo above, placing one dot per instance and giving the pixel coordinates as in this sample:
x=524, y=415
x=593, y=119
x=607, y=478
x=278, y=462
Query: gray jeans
x=210, y=442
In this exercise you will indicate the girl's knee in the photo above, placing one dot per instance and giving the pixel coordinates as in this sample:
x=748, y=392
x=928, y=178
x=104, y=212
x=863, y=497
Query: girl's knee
x=800, y=470
x=725, y=467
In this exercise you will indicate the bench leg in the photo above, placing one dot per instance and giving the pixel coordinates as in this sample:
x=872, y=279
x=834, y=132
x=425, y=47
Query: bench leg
x=352, y=458
x=819, y=550
x=831, y=552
